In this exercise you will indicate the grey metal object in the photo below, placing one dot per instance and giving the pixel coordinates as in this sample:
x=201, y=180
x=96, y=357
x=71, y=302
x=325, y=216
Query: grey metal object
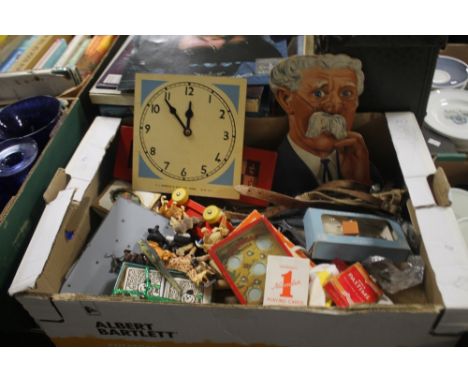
x=126, y=223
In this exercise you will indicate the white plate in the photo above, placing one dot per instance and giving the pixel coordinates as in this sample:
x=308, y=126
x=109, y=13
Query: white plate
x=447, y=114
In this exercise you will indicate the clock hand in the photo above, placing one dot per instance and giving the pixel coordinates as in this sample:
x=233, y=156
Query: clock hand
x=189, y=115
x=173, y=111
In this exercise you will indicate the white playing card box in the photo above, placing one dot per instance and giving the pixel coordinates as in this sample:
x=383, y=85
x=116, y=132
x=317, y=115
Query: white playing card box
x=287, y=281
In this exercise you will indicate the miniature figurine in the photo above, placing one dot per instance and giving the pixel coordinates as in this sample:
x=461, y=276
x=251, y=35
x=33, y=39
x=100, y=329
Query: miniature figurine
x=211, y=237
x=195, y=268
x=186, y=250
x=180, y=240
x=184, y=260
x=170, y=210
x=183, y=214
x=128, y=256
x=320, y=96
x=189, y=220
x=183, y=224
x=201, y=276
x=156, y=261
x=164, y=254
x=156, y=236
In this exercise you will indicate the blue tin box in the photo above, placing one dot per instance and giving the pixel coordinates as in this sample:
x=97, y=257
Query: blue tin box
x=352, y=237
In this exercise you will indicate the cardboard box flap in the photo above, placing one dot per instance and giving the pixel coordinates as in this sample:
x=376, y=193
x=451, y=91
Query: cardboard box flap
x=41, y=243
x=420, y=192
x=88, y=156
x=446, y=250
x=80, y=186
x=57, y=184
x=415, y=160
x=448, y=257
x=81, y=169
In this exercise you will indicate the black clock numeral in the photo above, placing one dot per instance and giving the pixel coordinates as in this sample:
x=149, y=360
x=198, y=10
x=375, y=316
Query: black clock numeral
x=203, y=169
x=155, y=108
x=218, y=159
x=189, y=90
x=226, y=135
x=147, y=128
x=221, y=113
x=153, y=150
x=209, y=98
x=183, y=172
x=166, y=165
x=167, y=95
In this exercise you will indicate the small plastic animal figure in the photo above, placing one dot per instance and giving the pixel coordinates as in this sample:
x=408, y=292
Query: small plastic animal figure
x=184, y=260
x=129, y=256
x=156, y=236
x=172, y=210
x=201, y=277
x=184, y=224
x=211, y=237
x=164, y=254
x=186, y=250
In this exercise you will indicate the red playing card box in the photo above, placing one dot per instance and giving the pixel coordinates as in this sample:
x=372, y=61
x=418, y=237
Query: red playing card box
x=258, y=169
x=123, y=157
x=353, y=286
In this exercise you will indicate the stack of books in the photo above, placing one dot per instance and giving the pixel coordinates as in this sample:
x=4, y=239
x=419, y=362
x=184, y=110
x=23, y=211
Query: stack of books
x=55, y=63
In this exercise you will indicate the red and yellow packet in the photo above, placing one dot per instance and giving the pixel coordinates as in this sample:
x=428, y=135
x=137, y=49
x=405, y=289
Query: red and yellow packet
x=353, y=286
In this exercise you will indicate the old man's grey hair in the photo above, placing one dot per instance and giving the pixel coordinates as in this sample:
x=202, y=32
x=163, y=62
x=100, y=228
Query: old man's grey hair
x=287, y=73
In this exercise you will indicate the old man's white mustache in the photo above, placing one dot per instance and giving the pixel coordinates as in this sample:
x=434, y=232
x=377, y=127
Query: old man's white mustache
x=321, y=122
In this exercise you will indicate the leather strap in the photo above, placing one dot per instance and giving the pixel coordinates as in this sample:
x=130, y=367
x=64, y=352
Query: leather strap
x=270, y=196
x=341, y=192
x=346, y=195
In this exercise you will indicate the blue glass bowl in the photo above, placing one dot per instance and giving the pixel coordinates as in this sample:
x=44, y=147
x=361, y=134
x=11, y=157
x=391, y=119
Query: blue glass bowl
x=17, y=156
x=32, y=117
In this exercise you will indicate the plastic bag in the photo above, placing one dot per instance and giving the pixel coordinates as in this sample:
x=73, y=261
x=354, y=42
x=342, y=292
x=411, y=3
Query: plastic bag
x=392, y=277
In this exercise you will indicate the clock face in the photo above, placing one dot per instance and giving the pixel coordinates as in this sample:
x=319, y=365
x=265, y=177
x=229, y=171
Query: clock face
x=207, y=124
x=188, y=132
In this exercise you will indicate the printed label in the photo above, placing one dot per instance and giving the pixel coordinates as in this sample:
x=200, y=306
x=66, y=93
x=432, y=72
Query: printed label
x=287, y=281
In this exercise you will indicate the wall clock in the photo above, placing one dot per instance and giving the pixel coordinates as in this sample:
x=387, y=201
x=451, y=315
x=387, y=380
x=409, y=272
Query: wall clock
x=188, y=132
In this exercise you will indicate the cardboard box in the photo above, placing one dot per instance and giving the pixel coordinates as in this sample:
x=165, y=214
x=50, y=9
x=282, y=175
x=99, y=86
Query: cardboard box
x=434, y=315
